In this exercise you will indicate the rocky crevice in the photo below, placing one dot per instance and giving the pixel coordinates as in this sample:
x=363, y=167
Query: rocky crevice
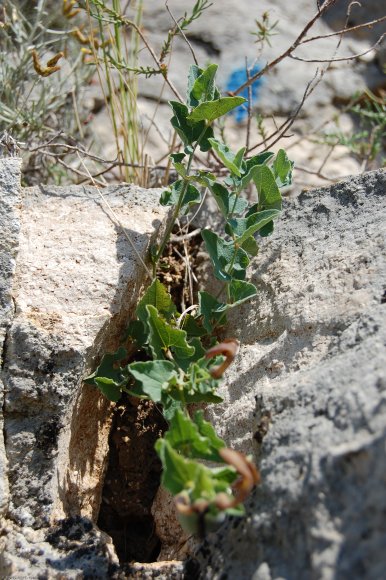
x=75, y=288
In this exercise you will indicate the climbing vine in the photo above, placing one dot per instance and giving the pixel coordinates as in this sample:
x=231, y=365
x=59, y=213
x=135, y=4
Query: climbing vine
x=181, y=360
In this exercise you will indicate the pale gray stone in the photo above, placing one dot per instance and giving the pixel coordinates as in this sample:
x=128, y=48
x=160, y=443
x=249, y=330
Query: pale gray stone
x=76, y=284
x=307, y=394
x=9, y=240
x=224, y=35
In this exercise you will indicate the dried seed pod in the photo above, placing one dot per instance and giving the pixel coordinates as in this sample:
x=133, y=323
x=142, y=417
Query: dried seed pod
x=228, y=348
x=50, y=68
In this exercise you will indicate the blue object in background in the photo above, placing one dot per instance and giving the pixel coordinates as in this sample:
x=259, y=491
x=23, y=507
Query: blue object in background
x=235, y=80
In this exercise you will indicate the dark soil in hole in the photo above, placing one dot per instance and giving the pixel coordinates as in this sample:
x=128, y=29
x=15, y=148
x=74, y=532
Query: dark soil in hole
x=173, y=272
x=132, y=480
x=134, y=471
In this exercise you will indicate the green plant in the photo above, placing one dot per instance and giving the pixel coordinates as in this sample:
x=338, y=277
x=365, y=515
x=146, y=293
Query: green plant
x=41, y=78
x=115, y=54
x=367, y=143
x=112, y=50
x=184, y=363
x=265, y=30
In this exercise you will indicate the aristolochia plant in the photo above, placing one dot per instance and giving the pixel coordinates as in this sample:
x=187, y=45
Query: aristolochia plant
x=179, y=369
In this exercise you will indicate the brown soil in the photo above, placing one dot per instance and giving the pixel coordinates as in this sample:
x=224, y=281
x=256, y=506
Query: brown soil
x=134, y=470
x=173, y=273
x=132, y=480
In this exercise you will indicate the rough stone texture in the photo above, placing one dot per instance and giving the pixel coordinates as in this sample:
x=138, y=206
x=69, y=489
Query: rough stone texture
x=72, y=549
x=223, y=35
x=307, y=395
x=366, y=10
x=9, y=227
x=77, y=281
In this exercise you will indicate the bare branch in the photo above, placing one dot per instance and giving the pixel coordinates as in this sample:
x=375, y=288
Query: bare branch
x=181, y=32
x=319, y=174
x=248, y=73
x=342, y=58
x=344, y=30
x=116, y=218
x=283, y=128
x=127, y=22
x=326, y=6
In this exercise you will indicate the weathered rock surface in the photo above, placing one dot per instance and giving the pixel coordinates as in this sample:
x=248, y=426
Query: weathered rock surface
x=9, y=240
x=307, y=395
x=224, y=35
x=76, y=282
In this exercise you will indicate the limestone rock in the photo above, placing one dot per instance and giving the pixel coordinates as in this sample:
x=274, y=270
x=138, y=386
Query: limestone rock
x=9, y=227
x=307, y=394
x=77, y=281
x=224, y=35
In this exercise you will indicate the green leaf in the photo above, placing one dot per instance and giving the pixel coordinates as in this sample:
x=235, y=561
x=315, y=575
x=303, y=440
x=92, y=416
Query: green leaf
x=152, y=377
x=192, y=327
x=163, y=336
x=191, y=195
x=240, y=291
x=204, y=85
x=250, y=245
x=177, y=163
x=211, y=310
x=228, y=261
x=169, y=407
x=227, y=201
x=266, y=230
x=205, y=144
x=109, y=377
x=188, y=132
x=177, y=157
x=227, y=157
x=108, y=388
x=205, y=178
x=207, y=430
x=195, y=439
x=282, y=168
x=243, y=228
x=137, y=332
x=194, y=72
x=267, y=189
x=239, y=157
x=199, y=352
x=260, y=159
x=221, y=253
x=211, y=110
x=196, y=385
x=159, y=297
x=181, y=474
x=240, y=265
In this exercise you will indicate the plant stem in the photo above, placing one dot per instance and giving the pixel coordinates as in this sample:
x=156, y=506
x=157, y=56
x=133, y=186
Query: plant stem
x=178, y=206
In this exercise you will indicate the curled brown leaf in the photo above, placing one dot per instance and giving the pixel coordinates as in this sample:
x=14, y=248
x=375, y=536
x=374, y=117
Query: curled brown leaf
x=249, y=478
x=228, y=348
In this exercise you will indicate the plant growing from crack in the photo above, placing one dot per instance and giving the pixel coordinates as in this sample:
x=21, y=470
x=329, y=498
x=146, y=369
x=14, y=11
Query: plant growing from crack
x=184, y=362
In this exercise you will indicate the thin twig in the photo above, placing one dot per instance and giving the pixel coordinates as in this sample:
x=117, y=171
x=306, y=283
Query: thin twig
x=174, y=238
x=247, y=71
x=76, y=171
x=317, y=173
x=127, y=22
x=344, y=30
x=283, y=128
x=116, y=218
x=342, y=58
x=326, y=6
x=182, y=33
